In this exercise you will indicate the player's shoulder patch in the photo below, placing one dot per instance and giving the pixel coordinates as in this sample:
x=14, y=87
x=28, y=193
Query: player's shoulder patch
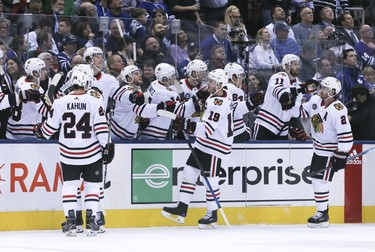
x=339, y=106
x=34, y=86
x=283, y=74
x=95, y=94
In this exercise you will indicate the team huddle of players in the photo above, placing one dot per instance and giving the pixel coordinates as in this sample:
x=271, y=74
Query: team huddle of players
x=209, y=107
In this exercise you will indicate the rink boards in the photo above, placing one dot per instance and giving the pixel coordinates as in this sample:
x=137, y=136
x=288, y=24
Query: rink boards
x=261, y=183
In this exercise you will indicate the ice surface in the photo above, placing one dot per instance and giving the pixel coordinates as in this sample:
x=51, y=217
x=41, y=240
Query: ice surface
x=335, y=238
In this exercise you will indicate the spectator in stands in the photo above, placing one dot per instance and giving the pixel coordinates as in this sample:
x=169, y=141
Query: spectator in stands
x=324, y=69
x=115, y=64
x=69, y=50
x=268, y=11
x=159, y=17
x=77, y=59
x=14, y=69
x=304, y=29
x=368, y=79
x=282, y=44
x=327, y=17
x=193, y=53
x=333, y=4
x=44, y=25
x=152, y=51
x=45, y=44
x=349, y=74
x=5, y=26
x=362, y=113
x=113, y=39
x=148, y=74
x=232, y=18
x=366, y=47
x=262, y=56
x=278, y=14
x=217, y=59
x=138, y=24
x=347, y=28
x=336, y=62
x=64, y=30
x=179, y=51
x=18, y=47
x=102, y=8
x=151, y=5
x=307, y=61
x=55, y=12
x=187, y=10
x=115, y=11
x=82, y=30
x=25, y=22
x=219, y=37
x=87, y=12
x=213, y=10
x=160, y=31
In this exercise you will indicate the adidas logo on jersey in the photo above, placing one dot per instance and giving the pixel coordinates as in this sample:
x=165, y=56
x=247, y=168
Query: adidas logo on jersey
x=356, y=161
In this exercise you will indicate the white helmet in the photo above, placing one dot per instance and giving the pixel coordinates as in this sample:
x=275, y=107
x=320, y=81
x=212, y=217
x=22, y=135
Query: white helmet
x=219, y=76
x=333, y=84
x=197, y=66
x=288, y=58
x=91, y=51
x=234, y=69
x=81, y=78
x=165, y=72
x=85, y=68
x=34, y=64
x=127, y=71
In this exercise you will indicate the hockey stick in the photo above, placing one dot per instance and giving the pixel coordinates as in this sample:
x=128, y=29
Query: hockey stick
x=127, y=57
x=172, y=116
x=310, y=174
x=107, y=184
x=50, y=94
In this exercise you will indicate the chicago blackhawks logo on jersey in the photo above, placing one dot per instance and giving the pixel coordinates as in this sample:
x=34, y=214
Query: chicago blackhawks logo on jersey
x=317, y=123
x=218, y=102
x=34, y=86
x=339, y=106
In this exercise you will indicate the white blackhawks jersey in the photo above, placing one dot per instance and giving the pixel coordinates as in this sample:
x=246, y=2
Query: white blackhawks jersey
x=106, y=83
x=4, y=101
x=330, y=126
x=126, y=113
x=83, y=127
x=271, y=115
x=159, y=126
x=237, y=95
x=214, y=135
x=25, y=115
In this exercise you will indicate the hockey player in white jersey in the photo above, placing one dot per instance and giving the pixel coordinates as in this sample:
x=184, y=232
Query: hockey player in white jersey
x=131, y=108
x=28, y=112
x=236, y=75
x=196, y=72
x=214, y=138
x=282, y=100
x=80, y=119
x=162, y=90
x=332, y=139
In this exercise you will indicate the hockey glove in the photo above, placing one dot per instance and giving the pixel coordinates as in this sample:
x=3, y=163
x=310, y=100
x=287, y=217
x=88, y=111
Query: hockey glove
x=181, y=123
x=297, y=133
x=197, y=105
x=308, y=87
x=31, y=95
x=339, y=160
x=38, y=131
x=137, y=98
x=143, y=123
x=108, y=153
x=97, y=90
x=287, y=101
x=202, y=95
x=168, y=105
x=257, y=98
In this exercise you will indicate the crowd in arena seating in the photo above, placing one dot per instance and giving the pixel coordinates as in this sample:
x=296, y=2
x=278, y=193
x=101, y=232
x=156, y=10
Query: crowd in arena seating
x=146, y=33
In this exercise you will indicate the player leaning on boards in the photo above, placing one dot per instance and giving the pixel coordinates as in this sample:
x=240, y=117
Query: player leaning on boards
x=80, y=119
x=281, y=104
x=214, y=138
x=332, y=139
